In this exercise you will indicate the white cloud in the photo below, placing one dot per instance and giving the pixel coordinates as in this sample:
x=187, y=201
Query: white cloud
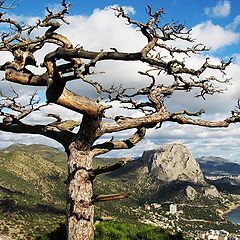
x=102, y=30
x=200, y=141
x=221, y=10
x=214, y=36
x=236, y=22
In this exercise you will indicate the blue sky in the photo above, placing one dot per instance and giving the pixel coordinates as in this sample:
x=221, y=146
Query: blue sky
x=214, y=23
x=189, y=12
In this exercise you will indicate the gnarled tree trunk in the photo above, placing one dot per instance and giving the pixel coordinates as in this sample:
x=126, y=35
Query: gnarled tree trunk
x=80, y=206
x=80, y=209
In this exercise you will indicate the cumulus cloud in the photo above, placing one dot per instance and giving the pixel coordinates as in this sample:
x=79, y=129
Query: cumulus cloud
x=221, y=10
x=102, y=30
x=200, y=141
x=214, y=36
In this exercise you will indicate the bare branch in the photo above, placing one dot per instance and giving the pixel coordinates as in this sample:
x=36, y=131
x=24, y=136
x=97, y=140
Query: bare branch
x=110, y=197
x=9, y=6
x=23, y=111
x=62, y=136
x=57, y=117
x=124, y=144
x=212, y=124
x=199, y=113
x=110, y=168
x=147, y=121
x=67, y=125
x=236, y=111
x=150, y=100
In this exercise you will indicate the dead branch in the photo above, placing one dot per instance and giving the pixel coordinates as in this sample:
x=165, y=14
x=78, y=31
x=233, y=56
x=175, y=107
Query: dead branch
x=110, y=197
x=199, y=113
x=204, y=123
x=110, y=168
x=9, y=6
x=59, y=126
x=124, y=144
x=14, y=111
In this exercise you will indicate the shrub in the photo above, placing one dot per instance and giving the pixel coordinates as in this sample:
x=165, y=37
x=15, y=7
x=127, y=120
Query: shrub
x=128, y=231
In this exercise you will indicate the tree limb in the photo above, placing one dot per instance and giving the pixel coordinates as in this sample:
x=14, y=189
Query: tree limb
x=112, y=167
x=148, y=121
x=124, y=144
x=60, y=135
x=204, y=123
x=110, y=197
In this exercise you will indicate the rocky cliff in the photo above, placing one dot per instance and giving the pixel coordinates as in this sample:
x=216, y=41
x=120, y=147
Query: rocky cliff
x=173, y=162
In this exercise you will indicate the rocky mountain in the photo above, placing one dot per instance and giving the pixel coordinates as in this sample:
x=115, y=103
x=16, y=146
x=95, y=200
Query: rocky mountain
x=173, y=162
x=177, y=173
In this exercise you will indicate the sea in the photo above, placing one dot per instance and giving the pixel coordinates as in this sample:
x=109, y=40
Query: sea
x=234, y=216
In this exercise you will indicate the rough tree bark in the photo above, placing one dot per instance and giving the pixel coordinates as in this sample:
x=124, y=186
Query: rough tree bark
x=80, y=209
x=80, y=144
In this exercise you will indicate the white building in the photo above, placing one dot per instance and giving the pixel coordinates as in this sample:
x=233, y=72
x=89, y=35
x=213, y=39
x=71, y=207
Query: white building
x=156, y=205
x=215, y=235
x=173, y=208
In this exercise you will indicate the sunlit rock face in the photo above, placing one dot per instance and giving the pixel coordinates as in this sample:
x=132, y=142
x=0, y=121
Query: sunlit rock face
x=191, y=193
x=173, y=162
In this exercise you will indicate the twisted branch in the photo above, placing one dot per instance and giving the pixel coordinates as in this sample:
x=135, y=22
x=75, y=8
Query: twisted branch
x=115, y=145
x=110, y=168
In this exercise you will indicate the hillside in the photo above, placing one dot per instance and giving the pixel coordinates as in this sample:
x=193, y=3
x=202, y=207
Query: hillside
x=32, y=190
x=216, y=166
x=32, y=193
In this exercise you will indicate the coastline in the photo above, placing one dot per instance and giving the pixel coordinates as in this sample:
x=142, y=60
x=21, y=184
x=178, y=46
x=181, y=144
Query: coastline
x=230, y=208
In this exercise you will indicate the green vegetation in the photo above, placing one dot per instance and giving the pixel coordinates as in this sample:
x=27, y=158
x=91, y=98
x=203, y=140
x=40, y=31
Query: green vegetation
x=32, y=190
x=126, y=231
x=121, y=231
x=32, y=199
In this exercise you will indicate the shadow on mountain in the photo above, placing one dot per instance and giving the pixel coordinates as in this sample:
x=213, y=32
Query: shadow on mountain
x=8, y=205
x=59, y=234
x=174, y=191
x=11, y=192
x=225, y=186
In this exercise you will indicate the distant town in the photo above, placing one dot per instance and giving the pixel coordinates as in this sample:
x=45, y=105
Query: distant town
x=216, y=235
x=169, y=223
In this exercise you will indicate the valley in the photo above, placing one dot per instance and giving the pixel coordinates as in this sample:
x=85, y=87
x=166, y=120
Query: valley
x=32, y=191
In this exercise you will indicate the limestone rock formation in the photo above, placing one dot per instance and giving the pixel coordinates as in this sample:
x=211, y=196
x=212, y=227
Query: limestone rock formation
x=191, y=193
x=211, y=192
x=173, y=162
